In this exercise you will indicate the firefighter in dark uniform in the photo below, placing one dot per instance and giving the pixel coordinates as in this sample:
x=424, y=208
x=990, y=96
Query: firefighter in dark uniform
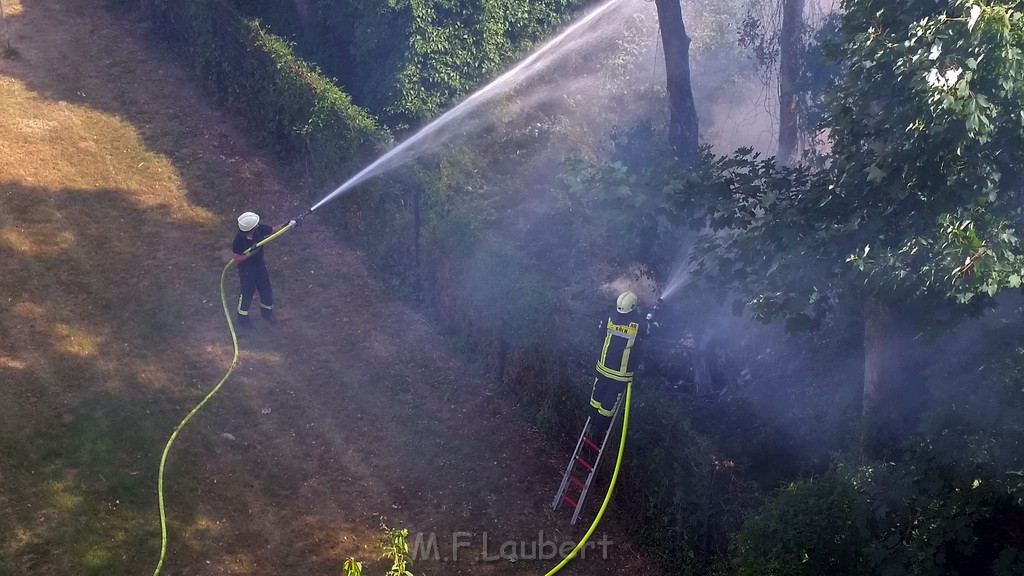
x=619, y=355
x=252, y=268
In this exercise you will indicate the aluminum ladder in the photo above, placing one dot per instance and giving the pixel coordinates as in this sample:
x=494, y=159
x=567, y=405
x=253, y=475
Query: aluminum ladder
x=586, y=450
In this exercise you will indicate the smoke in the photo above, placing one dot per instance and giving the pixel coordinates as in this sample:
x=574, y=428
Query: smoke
x=635, y=280
x=613, y=80
x=605, y=71
x=737, y=96
x=807, y=385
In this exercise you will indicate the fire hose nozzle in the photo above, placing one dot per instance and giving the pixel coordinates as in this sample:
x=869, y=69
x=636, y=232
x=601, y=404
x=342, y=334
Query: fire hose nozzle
x=298, y=219
x=650, y=315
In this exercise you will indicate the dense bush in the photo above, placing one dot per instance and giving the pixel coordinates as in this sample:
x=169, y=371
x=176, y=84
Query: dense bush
x=292, y=106
x=811, y=528
x=932, y=515
x=950, y=505
x=407, y=60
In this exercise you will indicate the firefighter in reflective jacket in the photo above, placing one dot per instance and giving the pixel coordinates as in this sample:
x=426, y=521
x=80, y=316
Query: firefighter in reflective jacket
x=621, y=332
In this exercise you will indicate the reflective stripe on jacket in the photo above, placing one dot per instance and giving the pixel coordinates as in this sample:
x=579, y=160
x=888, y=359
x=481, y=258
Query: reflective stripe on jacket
x=618, y=344
x=606, y=412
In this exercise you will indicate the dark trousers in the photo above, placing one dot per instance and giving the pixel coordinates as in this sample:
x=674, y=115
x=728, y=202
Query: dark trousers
x=602, y=401
x=253, y=281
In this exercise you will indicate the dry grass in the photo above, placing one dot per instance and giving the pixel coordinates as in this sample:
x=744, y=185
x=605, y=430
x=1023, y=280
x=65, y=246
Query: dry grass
x=118, y=185
x=110, y=324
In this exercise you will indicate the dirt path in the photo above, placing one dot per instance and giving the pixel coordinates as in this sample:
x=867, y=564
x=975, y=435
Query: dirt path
x=119, y=182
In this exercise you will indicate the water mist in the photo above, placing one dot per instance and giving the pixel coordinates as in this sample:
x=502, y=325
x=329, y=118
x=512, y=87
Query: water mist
x=466, y=117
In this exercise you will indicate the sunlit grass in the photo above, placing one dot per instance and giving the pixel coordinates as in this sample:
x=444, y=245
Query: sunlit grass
x=27, y=310
x=76, y=341
x=79, y=500
x=97, y=557
x=59, y=144
x=238, y=564
x=15, y=363
x=75, y=527
x=44, y=142
x=83, y=278
x=113, y=195
x=12, y=7
x=62, y=495
x=37, y=240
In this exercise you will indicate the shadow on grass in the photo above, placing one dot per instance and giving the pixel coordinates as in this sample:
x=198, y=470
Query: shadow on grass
x=110, y=63
x=94, y=347
x=97, y=406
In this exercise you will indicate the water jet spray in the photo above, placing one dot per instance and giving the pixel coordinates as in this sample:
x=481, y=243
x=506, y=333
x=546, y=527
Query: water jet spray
x=444, y=127
x=679, y=277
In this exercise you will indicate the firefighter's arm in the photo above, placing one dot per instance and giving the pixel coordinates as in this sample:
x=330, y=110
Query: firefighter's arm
x=650, y=318
x=651, y=326
x=239, y=258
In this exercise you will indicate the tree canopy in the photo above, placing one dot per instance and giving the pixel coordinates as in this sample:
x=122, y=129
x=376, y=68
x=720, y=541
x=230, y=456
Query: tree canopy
x=918, y=192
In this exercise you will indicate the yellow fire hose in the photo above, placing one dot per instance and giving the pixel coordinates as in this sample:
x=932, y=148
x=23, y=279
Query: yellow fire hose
x=177, y=429
x=611, y=486
x=234, y=364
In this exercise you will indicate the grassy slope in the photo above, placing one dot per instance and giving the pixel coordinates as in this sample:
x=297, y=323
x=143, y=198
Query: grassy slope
x=119, y=181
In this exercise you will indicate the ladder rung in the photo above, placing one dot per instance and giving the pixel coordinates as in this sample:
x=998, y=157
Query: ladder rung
x=584, y=463
x=591, y=444
x=569, y=500
x=576, y=481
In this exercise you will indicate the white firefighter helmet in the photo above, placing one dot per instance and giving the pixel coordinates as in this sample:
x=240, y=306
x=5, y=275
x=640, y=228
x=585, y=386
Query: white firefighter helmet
x=247, y=221
x=626, y=303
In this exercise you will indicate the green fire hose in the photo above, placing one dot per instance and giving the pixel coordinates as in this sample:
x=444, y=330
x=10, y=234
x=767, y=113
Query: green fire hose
x=234, y=364
x=177, y=429
x=611, y=486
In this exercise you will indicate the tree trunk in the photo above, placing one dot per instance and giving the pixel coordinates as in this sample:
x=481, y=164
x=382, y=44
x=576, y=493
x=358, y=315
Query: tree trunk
x=682, y=110
x=7, y=31
x=417, y=218
x=503, y=348
x=876, y=412
x=304, y=11
x=790, y=38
